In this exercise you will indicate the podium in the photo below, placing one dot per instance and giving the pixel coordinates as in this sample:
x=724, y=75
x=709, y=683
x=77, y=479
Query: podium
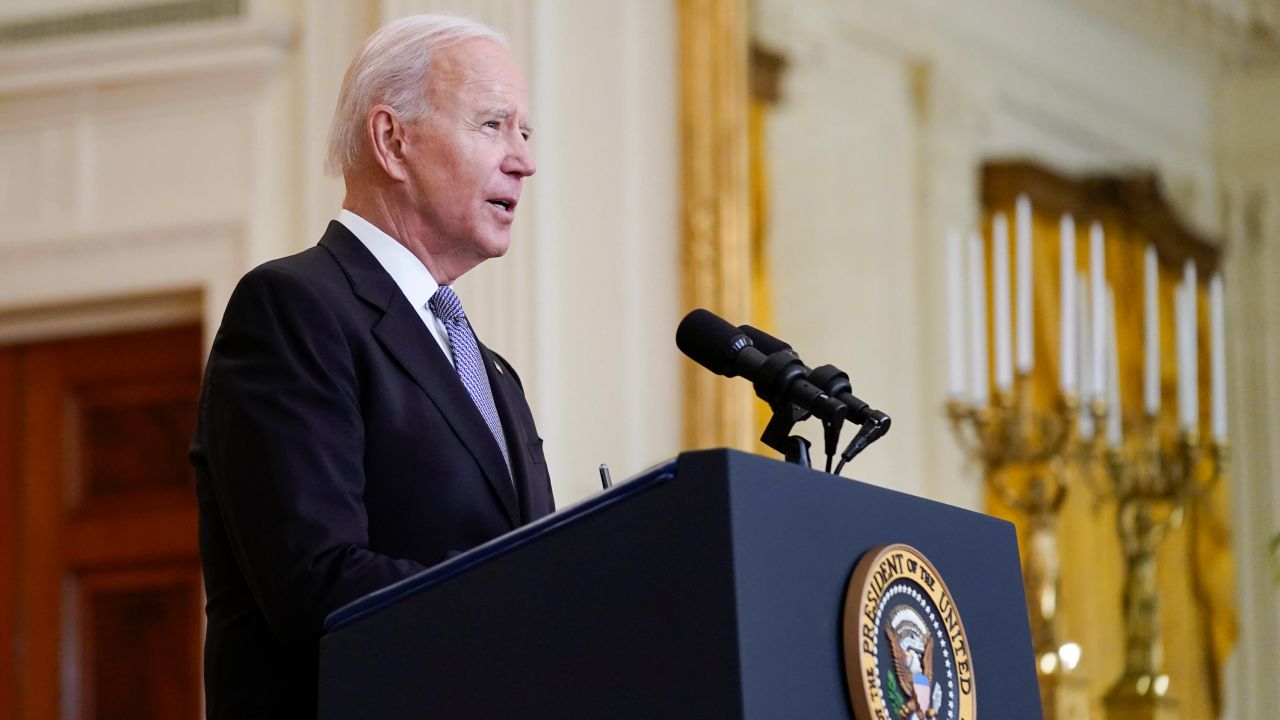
x=711, y=587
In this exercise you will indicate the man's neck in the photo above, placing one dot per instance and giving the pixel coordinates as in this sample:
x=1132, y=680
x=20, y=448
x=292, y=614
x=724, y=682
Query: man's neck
x=380, y=213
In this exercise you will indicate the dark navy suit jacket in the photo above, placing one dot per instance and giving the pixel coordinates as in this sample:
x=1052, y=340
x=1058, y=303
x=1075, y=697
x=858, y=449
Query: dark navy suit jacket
x=336, y=452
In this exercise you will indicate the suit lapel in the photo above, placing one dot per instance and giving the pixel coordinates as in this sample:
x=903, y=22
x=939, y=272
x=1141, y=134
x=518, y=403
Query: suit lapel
x=511, y=427
x=528, y=464
x=401, y=333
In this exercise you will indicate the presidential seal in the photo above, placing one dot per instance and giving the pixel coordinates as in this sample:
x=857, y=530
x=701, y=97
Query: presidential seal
x=906, y=656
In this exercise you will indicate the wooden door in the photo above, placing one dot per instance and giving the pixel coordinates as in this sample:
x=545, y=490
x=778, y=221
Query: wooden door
x=101, y=592
x=8, y=534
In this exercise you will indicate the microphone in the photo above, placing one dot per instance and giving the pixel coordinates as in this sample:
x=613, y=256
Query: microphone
x=778, y=377
x=831, y=379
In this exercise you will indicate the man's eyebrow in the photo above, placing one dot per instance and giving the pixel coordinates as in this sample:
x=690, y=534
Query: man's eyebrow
x=497, y=113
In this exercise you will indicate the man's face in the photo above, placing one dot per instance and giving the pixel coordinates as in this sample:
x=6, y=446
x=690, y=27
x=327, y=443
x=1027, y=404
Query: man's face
x=468, y=159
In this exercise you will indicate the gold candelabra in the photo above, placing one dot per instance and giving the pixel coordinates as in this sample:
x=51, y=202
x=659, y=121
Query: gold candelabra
x=1152, y=486
x=1026, y=455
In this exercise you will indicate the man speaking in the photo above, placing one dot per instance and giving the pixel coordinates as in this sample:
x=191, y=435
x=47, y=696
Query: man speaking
x=353, y=430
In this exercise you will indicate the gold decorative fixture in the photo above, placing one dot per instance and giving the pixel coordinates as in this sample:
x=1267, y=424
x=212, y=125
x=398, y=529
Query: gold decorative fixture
x=1026, y=455
x=1140, y=239
x=716, y=204
x=1152, y=487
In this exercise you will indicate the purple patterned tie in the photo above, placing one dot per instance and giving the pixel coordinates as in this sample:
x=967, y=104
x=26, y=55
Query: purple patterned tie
x=445, y=305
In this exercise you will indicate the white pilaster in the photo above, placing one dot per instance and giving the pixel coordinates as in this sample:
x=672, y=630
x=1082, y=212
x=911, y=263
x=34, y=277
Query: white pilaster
x=1249, y=160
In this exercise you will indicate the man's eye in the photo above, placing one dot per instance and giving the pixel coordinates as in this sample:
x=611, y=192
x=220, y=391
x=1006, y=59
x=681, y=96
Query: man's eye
x=492, y=124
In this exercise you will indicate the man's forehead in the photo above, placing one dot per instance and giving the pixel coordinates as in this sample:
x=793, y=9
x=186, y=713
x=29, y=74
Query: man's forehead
x=477, y=65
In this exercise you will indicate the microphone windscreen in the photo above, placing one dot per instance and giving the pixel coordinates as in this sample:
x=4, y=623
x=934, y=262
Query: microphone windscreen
x=710, y=341
x=763, y=341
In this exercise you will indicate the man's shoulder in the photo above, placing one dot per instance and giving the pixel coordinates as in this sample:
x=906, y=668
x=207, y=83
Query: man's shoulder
x=335, y=268
x=308, y=282
x=314, y=272
x=314, y=263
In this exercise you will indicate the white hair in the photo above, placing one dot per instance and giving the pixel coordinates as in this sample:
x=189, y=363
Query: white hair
x=392, y=69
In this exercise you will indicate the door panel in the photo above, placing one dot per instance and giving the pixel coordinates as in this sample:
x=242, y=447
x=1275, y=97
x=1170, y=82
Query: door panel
x=115, y=422
x=135, y=623
x=107, y=572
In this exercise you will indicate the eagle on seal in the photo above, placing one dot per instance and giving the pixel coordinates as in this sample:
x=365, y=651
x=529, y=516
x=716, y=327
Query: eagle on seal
x=913, y=667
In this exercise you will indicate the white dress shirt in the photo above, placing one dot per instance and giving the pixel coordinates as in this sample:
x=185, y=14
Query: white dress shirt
x=411, y=276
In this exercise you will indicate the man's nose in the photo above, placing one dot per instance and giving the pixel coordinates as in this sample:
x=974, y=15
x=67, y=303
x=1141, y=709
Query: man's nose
x=519, y=160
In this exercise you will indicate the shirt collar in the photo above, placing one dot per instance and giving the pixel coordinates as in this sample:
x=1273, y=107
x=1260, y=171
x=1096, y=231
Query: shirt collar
x=412, y=277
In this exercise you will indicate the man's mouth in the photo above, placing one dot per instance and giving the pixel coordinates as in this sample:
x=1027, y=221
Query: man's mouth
x=507, y=204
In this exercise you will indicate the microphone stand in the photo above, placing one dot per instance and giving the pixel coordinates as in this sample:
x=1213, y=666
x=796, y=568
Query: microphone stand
x=772, y=386
x=777, y=434
x=795, y=449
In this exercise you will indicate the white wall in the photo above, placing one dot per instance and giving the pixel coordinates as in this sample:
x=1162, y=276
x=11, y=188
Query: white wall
x=126, y=168
x=889, y=110
x=843, y=228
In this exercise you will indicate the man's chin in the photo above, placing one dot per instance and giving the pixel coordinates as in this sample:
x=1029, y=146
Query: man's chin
x=495, y=246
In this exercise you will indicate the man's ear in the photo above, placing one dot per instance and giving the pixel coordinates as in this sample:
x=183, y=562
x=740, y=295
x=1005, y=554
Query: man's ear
x=386, y=134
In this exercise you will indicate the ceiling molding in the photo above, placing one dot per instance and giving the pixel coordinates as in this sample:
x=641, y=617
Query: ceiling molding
x=131, y=17
x=172, y=51
x=1235, y=33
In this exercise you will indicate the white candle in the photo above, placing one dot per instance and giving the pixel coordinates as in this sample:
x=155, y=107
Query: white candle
x=978, y=321
x=1083, y=345
x=1192, y=343
x=1098, y=302
x=1218, y=357
x=1151, y=334
x=1026, y=342
x=1115, y=411
x=1067, y=305
x=955, y=314
x=1191, y=410
x=1000, y=273
x=1180, y=336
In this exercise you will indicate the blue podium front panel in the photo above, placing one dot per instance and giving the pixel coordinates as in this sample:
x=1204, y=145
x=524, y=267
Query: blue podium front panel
x=715, y=592
x=797, y=535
